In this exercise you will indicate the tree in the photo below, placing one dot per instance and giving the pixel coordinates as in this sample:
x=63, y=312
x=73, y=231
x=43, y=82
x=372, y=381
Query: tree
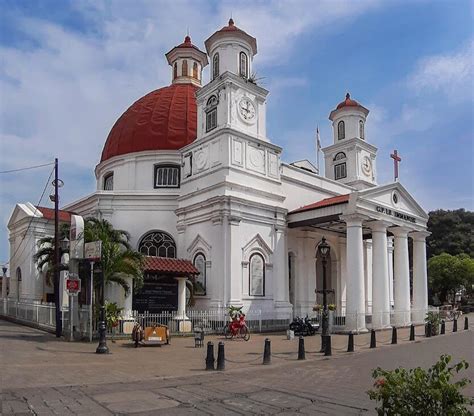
x=118, y=260
x=448, y=274
x=451, y=232
x=44, y=257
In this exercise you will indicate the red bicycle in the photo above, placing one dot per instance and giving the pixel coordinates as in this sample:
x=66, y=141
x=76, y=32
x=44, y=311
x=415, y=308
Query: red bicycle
x=237, y=328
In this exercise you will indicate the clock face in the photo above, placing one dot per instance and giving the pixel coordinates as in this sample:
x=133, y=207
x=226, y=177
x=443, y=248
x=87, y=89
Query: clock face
x=247, y=109
x=366, y=165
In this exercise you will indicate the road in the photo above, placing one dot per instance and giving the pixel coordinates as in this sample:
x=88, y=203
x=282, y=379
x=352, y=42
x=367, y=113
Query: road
x=43, y=376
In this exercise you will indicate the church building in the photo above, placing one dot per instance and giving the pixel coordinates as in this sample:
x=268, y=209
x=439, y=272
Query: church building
x=189, y=171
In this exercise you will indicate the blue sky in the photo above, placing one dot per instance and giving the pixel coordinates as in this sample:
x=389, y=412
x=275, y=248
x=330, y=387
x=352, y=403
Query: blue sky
x=70, y=69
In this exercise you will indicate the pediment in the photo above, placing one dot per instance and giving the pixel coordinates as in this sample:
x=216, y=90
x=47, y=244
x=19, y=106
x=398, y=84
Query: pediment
x=257, y=243
x=22, y=211
x=395, y=197
x=199, y=242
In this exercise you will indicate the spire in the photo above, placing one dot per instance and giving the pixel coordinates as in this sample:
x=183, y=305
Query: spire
x=348, y=96
x=231, y=22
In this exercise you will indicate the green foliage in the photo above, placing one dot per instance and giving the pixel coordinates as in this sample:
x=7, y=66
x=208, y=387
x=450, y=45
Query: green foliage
x=421, y=392
x=119, y=260
x=447, y=274
x=44, y=257
x=451, y=232
x=435, y=321
x=235, y=312
x=112, y=314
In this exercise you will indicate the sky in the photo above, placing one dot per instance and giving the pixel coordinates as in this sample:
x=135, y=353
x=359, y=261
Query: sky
x=69, y=69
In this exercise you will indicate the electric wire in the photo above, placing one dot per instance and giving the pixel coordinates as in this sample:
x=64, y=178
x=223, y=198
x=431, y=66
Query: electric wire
x=27, y=168
x=31, y=220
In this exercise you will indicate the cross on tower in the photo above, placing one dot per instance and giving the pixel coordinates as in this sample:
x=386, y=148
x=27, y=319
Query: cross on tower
x=396, y=160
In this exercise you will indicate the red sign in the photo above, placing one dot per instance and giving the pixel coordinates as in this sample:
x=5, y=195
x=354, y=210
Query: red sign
x=73, y=286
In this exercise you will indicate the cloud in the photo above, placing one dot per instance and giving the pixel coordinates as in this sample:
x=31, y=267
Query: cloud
x=448, y=74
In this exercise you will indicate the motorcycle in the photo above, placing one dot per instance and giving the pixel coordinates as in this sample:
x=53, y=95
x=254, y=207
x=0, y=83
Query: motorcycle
x=304, y=326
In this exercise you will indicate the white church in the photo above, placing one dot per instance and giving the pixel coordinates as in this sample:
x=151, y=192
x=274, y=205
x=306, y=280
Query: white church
x=189, y=172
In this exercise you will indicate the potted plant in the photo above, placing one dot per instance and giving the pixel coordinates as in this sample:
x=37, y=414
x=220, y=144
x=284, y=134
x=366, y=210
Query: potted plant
x=332, y=307
x=317, y=307
x=434, y=319
x=113, y=313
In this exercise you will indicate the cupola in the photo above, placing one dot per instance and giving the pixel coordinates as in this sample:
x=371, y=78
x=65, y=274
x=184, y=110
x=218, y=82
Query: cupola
x=348, y=120
x=187, y=62
x=231, y=49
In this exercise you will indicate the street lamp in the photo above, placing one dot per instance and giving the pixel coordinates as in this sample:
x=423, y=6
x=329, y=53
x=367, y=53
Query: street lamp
x=102, y=347
x=324, y=250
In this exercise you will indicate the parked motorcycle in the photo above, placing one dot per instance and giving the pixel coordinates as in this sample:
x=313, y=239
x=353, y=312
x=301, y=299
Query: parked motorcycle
x=304, y=326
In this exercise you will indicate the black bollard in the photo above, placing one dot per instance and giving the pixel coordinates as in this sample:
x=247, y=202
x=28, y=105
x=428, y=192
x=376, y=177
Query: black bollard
x=455, y=325
x=466, y=323
x=373, y=342
x=210, y=356
x=220, y=357
x=267, y=352
x=412, y=332
x=394, y=335
x=428, y=330
x=301, y=352
x=327, y=346
x=350, y=343
x=443, y=327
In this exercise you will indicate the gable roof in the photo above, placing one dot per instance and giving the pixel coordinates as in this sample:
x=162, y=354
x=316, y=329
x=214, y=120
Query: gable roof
x=167, y=265
x=339, y=199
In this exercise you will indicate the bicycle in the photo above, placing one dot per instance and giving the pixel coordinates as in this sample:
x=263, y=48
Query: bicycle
x=237, y=327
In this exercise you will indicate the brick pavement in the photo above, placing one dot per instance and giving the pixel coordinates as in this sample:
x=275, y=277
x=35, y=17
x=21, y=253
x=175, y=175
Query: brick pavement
x=38, y=379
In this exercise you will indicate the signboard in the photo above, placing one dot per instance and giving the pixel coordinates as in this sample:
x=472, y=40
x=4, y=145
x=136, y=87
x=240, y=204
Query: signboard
x=93, y=250
x=73, y=286
x=158, y=294
x=395, y=214
x=76, y=237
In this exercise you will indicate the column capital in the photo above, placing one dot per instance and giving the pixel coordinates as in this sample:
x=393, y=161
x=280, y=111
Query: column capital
x=379, y=225
x=400, y=231
x=354, y=220
x=419, y=235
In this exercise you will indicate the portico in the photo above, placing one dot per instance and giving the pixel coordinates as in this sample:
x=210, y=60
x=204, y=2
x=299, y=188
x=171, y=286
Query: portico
x=377, y=215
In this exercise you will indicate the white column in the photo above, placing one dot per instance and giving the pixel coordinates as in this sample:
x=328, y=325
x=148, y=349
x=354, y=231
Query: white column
x=390, y=269
x=343, y=274
x=420, y=277
x=181, y=315
x=401, y=276
x=368, y=275
x=380, y=282
x=128, y=298
x=355, y=302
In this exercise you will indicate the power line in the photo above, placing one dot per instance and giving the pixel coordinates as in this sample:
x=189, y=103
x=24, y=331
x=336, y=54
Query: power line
x=27, y=168
x=31, y=220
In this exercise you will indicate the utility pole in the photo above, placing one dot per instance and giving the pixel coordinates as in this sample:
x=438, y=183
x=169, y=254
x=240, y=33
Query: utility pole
x=57, y=258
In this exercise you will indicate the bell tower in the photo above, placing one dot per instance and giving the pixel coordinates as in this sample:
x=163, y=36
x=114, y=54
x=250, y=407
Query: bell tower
x=350, y=159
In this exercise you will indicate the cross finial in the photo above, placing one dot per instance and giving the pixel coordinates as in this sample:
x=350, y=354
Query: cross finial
x=396, y=160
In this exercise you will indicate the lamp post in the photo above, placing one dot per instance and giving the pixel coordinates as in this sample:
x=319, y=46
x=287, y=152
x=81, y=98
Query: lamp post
x=102, y=347
x=324, y=250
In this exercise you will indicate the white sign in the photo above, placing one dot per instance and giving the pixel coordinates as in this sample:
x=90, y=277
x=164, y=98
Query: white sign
x=93, y=250
x=76, y=237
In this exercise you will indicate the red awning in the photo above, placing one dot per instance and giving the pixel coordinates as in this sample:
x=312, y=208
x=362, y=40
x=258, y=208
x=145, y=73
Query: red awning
x=340, y=199
x=169, y=266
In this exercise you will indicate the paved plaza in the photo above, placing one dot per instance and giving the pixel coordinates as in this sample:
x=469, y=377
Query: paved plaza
x=43, y=376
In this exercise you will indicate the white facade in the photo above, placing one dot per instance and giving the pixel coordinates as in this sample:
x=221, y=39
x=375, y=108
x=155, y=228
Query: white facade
x=239, y=206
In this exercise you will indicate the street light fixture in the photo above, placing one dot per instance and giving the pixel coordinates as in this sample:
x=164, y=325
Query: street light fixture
x=324, y=250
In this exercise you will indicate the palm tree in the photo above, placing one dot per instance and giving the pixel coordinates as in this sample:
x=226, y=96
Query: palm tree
x=118, y=260
x=44, y=257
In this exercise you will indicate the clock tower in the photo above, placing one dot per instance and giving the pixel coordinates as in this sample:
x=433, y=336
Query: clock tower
x=350, y=159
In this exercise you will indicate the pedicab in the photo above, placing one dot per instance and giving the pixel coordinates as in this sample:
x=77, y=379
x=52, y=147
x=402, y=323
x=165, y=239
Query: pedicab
x=153, y=335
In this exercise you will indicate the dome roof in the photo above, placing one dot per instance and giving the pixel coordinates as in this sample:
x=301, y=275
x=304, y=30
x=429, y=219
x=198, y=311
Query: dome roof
x=164, y=119
x=348, y=102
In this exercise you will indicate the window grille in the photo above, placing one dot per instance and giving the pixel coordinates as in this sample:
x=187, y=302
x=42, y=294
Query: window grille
x=109, y=182
x=167, y=176
x=158, y=244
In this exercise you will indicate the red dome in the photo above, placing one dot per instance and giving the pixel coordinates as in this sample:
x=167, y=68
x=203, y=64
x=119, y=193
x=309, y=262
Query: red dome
x=164, y=119
x=348, y=102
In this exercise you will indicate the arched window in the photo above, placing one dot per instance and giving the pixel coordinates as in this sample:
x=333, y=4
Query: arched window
x=361, y=129
x=341, y=130
x=340, y=156
x=18, y=281
x=200, y=264
x=167, y=176
x=109, y=182
x=215, y=66
x=211, y=113
x=243, y=65
x=157, y=244
x=256, y=275
x=195, y=70
x=184, y=68
x=175, y=70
